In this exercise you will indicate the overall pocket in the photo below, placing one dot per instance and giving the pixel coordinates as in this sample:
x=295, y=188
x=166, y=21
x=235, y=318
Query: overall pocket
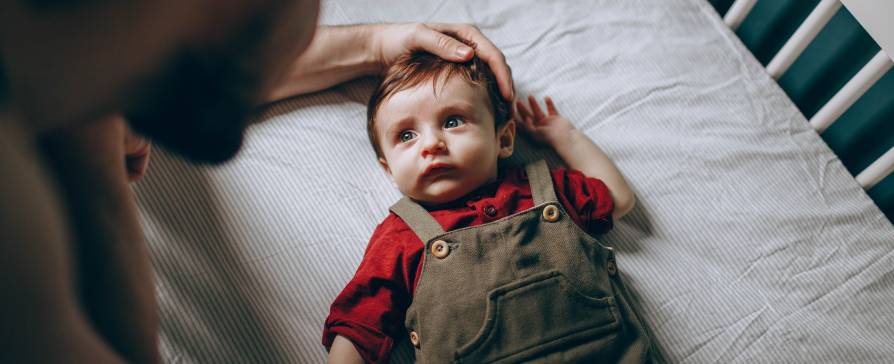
x=538, y=315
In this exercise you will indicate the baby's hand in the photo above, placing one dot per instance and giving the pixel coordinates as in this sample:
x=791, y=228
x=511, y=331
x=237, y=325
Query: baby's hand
x=548, y=128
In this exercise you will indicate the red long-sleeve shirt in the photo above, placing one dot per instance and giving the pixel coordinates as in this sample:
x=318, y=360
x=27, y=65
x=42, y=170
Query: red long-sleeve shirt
x=370, y=310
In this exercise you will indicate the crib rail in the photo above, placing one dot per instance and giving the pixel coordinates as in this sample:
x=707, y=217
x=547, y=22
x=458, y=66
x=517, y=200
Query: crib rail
x=737, y=13
x=848, y=95
x=877, y=170
x=802, y=37
x=874, y=16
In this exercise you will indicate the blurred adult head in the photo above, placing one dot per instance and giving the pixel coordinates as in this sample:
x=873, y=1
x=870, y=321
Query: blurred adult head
x=185, y=73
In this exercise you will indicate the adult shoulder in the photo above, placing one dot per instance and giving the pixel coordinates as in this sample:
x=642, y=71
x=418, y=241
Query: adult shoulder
x=36, y=269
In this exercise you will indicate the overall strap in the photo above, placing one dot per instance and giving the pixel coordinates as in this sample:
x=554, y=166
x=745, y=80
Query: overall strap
x=541, y=182
x=419, y=220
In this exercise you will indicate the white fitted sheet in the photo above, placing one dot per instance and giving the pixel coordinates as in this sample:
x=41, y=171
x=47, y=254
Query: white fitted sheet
x=750, y=241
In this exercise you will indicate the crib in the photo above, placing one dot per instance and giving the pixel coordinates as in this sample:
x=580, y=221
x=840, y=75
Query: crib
x=873, y=16
x=750, y=241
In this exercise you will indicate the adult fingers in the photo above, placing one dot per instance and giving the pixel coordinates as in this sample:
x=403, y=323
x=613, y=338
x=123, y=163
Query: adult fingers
x=487, y=51
x=440, y=44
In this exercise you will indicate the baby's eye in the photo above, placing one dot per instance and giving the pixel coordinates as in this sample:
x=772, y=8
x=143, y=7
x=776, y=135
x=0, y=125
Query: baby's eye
x=406, y=136
x=453, y=122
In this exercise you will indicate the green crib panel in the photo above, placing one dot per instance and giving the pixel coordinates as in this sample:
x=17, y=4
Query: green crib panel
x=866, y=130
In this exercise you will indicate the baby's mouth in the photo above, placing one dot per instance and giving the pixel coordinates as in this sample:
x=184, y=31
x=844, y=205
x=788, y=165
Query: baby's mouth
x=435, y=169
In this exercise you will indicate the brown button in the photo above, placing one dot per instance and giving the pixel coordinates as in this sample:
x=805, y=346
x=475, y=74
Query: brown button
x=490, y=211
x=611, y=267
x=440, y=249
x=414, y=338
x=551, y=213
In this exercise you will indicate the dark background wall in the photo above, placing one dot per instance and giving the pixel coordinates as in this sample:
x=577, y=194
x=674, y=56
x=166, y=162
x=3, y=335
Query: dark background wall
x=866, y=130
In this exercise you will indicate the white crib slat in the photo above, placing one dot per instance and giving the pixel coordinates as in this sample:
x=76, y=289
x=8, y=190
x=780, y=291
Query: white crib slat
x=848, y=95
x=802, y=37
x=877, y=171
x=737, y=13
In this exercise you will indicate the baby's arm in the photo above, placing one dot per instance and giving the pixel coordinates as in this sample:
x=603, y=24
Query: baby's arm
x=343, y=351
x=576, y=149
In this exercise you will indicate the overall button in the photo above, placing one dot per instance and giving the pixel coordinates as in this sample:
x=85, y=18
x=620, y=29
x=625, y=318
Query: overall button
x=440, y=249
x=414, y=338
x=551, y=213
x=611, y=267
x=490, y=211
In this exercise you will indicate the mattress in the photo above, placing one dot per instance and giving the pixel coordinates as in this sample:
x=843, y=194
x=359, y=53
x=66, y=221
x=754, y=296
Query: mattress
x=750, y=241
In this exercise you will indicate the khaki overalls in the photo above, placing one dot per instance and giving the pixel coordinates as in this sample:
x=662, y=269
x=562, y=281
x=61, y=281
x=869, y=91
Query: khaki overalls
x=530, y=287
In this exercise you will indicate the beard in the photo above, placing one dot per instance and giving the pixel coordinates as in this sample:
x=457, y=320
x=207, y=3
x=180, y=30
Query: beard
x=199, y=107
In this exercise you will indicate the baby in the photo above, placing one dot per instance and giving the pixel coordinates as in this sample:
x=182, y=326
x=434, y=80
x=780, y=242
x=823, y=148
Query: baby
x=479, y=263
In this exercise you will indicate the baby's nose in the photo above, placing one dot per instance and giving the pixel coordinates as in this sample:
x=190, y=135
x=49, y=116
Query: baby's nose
x=433, y=145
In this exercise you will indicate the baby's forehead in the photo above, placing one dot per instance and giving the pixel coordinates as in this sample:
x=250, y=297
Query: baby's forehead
x=431, y=95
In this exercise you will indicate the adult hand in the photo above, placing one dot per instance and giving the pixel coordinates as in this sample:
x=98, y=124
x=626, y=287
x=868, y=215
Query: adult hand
x=395, y=40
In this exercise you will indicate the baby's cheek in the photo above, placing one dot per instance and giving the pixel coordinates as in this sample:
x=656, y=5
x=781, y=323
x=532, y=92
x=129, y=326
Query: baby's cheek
x=405, y=181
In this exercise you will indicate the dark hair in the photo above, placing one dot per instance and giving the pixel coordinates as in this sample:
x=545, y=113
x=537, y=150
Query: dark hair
x=414, y=69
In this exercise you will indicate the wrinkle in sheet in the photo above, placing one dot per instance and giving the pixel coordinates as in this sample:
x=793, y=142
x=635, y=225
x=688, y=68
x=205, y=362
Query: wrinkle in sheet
x=884, y=266
x=432, y=16
x=540, y=37
x=733, y=347
x=817, y=180
x=649, y=94
x=713, y=88
x=724, y=341
x=754, y=263
x=669, y=303
x=829, y=299
x=756, y=345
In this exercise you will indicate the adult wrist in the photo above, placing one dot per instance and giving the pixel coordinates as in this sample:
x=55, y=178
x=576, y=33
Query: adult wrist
x=359, y=48
x=372, y=35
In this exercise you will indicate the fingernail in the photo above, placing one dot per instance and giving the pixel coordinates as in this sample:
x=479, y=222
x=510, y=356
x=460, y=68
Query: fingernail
x=463, y=51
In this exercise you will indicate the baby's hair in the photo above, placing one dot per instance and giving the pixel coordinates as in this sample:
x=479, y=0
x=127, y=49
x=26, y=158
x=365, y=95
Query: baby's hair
x=414, y=69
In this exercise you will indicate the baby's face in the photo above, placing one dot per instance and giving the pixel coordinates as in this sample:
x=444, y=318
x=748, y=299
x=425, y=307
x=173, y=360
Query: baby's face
x=440, y=146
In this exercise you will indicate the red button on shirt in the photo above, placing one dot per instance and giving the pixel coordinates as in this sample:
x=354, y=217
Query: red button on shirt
x=370, y=311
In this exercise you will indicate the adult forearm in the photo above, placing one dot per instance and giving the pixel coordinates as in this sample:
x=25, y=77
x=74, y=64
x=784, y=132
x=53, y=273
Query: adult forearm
x=336, y=54
x=580, y=153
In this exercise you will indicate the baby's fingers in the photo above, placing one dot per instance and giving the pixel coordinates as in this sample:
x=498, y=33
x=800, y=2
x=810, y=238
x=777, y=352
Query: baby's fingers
x=538, y=112
x=523, y=112
x=527, y=124
x=550, y=107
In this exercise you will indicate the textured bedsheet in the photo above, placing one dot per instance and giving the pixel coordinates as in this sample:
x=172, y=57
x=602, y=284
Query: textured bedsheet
x=750, y=241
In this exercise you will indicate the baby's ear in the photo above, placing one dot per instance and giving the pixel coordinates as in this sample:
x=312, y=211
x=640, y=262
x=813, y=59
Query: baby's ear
x=506, y=138
x=384, y=165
